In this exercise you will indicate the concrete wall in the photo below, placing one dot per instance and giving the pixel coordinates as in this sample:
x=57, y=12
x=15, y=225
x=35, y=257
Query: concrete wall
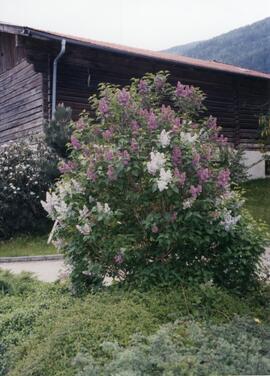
x=258, y=170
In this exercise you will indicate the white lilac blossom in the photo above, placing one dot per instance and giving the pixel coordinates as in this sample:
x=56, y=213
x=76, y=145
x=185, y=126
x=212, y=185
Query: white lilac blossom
x=84, y=213
x=49, y=204
x=165, y=178
x=105, y=209
x=69, y=188
x=157, y=162
x=186, y=137
x=229, y=221
x=164, y=138
x=63, y=211
x=188, y=203
x=84, y=229
x=59, y=244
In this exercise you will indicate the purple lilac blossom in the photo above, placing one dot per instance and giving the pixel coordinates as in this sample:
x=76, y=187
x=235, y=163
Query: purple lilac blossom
x=203, y=174
x=125, y=157
x=196, y=159
x=134, y=145
x=123, y=97
x=177, y=123
x=176, y=155
x=107, y=135
x=195, y=191
x=80, y=124
x=223, y=178
x=154, y=229
x=134, y=127
x=181, y=176
x=67, y=167
x=166, y=113
x=152, y=121
x=111, y=173
x=103, y=106
x=109, y=155
x=119, y=258
x=183, y=90
x=75, y=143
x=143, y=87
x=91, y=174
x=212, y=122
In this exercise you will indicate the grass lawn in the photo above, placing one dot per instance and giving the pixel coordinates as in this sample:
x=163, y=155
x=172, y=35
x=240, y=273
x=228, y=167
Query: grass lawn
x=26, y=246
x=257, y=194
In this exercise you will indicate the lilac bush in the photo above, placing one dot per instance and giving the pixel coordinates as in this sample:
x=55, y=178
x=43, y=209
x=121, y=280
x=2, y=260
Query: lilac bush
x=146, y=195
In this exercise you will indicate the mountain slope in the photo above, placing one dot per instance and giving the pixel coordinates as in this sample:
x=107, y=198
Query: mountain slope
x=247, y=47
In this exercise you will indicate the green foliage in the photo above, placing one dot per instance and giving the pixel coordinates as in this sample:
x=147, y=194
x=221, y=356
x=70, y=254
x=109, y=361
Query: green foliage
x=187, y=348
x=234, y=159
x=146, y=195
x=43, y=327
x=58, y=131
x=27, y=170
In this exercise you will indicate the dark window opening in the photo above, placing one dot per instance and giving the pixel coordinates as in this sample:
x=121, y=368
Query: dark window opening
x=267, y=166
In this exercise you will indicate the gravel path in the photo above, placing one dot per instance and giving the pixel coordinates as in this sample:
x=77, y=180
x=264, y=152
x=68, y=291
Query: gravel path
x=47, y=271
x=51, y=270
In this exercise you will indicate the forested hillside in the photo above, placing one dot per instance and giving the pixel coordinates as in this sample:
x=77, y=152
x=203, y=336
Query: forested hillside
x=247, y=47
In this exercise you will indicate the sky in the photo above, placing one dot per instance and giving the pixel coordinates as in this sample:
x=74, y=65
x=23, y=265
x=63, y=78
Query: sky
x=150, y=24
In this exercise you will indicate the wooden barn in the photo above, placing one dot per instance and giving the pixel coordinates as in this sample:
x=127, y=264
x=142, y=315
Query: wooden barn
x=39, y=69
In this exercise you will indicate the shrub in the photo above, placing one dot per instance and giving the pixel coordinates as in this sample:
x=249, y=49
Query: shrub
x=43, y=327
x=146, y=194
x=58, y=131
x=186, y=348
x=234, y=159
x=27, y=170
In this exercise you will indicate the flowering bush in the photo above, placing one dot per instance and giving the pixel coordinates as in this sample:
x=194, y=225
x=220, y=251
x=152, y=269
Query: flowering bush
x=146, y=193
x=26, y=173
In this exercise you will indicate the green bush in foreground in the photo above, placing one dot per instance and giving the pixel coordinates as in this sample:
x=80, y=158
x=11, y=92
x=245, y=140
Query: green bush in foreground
x=187, y=348
x=43, y=327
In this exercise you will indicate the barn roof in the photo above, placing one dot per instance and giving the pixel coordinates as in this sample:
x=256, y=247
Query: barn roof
x=120, y=49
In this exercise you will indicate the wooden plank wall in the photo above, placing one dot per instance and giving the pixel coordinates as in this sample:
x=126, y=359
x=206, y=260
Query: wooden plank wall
x=21, y=102
x=11, y=51
x=236, y=100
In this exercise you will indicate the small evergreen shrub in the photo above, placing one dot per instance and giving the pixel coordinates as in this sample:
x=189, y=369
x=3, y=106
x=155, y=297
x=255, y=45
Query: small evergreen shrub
x=58, y=131
x=146, y=195
x=240, y=347
x=27, y=171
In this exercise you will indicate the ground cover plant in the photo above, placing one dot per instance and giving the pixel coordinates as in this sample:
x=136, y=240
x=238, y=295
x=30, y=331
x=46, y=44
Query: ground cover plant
x=45, y=330
x=146, y=194
x=27, y=171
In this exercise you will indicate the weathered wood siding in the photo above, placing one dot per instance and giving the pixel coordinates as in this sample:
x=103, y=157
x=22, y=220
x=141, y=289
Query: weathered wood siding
x=11, y=51
x=21, y=102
